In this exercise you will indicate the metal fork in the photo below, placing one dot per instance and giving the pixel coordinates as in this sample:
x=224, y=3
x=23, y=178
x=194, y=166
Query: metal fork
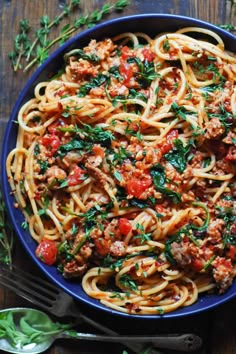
x=50, y=298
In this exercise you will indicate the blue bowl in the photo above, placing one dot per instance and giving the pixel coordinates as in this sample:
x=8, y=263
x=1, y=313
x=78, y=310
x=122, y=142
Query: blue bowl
x=151, y=24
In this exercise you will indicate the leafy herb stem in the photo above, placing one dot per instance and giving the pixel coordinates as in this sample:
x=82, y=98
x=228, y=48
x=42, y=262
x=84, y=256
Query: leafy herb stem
x=21, y=45
x=228, y=27
x=6, y=235
x=88, y=20
x=41, y=35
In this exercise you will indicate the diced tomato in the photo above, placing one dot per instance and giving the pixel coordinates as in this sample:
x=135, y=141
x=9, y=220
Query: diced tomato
x=231, y=155
x=52, y=143
x=126, y=52
x=148, y=54
x=170, y=137
x=37, y=195
x=76, y=176
x=159, y=208
x=53, y=128
x=124, y=226
x=136, y=187
x=46, y=251
x=197, y=264
x=126, y=71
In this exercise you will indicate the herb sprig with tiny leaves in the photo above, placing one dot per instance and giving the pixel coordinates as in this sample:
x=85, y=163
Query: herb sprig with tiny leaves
x=228, y=26
x=6, y=235
x=36, y=51
x=21, y=45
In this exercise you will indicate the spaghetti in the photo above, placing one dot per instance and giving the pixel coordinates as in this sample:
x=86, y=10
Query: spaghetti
x=124, y=168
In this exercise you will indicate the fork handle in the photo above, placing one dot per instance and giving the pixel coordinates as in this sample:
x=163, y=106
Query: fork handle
x=135, y=347
x=183, y=343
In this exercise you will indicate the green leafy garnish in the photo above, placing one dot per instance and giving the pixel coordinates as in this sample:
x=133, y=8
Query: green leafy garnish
x=43, y=166
x=79, y=53
x=159, y=179
x=6, y=235
x=34, y=327
x=94, y=82
x=85, y=138
x=229, y=216
x=180, y=111
x=178, y=156
x=205, y=225
x=34, y=49
x=146, y=73
x=224, y=116
x=128, y=282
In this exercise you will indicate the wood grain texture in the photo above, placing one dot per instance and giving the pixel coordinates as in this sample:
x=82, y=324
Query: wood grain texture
x=217, y=326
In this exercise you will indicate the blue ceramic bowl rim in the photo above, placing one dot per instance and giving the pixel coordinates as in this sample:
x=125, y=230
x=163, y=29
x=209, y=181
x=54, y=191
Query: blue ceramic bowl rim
x=205, y=303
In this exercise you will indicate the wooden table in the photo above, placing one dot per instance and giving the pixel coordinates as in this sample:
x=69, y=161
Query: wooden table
x=216, y=327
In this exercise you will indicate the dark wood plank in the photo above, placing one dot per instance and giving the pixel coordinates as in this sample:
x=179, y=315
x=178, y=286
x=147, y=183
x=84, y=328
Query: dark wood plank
x=216, y=327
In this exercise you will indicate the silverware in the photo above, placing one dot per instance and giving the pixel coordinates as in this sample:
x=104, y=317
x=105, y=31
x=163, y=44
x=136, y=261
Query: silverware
x=55, y=301
x=36, y=320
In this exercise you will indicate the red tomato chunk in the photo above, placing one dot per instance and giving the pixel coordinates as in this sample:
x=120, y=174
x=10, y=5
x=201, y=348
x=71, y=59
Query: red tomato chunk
x=46, y=251
x=124, y=226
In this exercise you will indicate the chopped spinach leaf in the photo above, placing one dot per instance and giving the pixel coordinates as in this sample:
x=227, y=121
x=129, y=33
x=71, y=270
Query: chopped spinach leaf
x=146, y=73
x=229, y=216
x=167, y=249
x=85, y=138
x=43, y=166
x=159, y=179
x=114, y=71
x=79, y=53
x=94, y=82
x=74, y=144
x=178, y=156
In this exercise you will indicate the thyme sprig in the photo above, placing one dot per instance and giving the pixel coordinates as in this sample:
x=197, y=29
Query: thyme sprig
x=21, y=45
x=46, y=25
x=6, y=235
x=228, y=27
x=37, y=51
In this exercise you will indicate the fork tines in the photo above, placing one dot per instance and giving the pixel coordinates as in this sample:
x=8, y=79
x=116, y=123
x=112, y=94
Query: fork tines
x=24, y=284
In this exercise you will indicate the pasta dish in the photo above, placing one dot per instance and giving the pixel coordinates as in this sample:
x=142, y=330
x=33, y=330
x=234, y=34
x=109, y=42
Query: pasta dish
x=124, y=169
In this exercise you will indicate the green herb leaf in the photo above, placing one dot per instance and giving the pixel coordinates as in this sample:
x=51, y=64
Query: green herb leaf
x=79, y=53
x=97, y=81
x=128, y=282
x=6, y=235
x=146, y=73
x=178, y=156
x=159, y=179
